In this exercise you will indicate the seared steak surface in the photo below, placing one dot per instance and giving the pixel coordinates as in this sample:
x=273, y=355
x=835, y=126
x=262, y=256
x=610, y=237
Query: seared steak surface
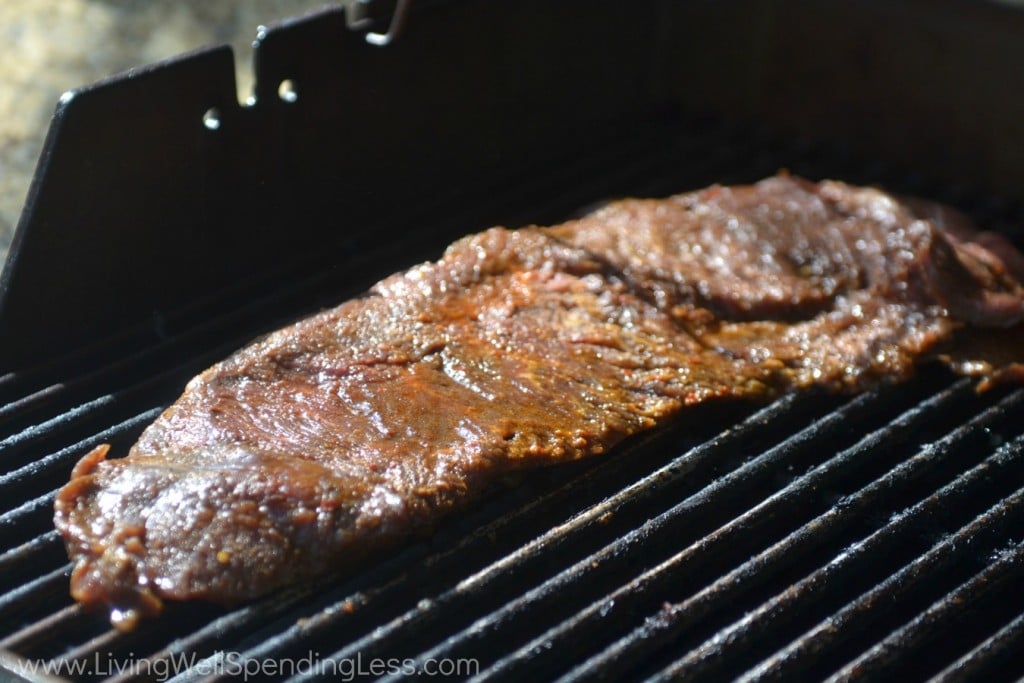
x=352, y=429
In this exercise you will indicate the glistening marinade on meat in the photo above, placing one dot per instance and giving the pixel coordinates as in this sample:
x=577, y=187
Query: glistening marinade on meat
x=348, y=431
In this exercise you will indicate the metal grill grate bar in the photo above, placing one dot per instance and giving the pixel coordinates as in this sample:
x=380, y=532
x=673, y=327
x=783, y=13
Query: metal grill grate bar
x=789, y=661
x=645, y=537
x=41, y=628
x=28, y=551
x=48, y=427
x=95, y=644
x=695, y=663
x=16, y=484
x=664, y=627
x=380, y=590
x=600, y=616
x=1009, y=567
x=36, y=593
x=991, y=652
x=24, y=519
x=551, y=541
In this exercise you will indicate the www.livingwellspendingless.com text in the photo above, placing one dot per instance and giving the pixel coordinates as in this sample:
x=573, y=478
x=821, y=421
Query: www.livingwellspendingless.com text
x=237, y=665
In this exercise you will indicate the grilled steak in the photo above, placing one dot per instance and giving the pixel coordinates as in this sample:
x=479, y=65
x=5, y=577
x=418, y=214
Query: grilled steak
x=336, y=436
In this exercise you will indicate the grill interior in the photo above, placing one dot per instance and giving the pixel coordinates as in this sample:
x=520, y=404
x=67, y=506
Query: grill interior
x=818, y=537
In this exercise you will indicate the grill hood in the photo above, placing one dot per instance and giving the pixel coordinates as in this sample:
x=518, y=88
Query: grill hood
x=138, y=209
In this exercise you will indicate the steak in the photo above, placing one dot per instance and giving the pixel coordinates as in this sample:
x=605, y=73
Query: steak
x=348, y=431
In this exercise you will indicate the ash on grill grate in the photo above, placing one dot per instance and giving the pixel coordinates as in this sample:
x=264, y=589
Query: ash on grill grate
x=816, y=536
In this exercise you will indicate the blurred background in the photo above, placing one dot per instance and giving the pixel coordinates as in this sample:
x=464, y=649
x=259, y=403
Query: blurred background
x=51, y=46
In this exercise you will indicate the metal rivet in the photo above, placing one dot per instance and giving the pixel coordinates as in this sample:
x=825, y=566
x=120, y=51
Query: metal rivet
x=211, y=119
x=287, y=92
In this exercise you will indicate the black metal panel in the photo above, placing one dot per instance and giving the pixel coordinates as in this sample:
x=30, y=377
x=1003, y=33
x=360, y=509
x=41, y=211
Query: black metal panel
x=928, y=83
x=126, y=169
x=138, y=208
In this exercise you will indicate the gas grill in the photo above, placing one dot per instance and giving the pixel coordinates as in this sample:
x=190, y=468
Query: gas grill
x=870, y=537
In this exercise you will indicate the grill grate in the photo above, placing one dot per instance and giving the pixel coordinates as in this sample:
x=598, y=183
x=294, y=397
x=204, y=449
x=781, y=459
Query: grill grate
x=878, y=535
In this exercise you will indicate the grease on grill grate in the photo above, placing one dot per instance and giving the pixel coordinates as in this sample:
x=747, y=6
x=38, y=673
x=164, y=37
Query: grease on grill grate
x=818, y=537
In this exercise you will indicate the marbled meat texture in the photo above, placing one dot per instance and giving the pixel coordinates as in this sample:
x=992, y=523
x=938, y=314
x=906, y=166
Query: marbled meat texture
x=352, y=429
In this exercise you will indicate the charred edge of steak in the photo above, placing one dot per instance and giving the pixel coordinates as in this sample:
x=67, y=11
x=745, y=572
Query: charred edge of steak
x=353, y=429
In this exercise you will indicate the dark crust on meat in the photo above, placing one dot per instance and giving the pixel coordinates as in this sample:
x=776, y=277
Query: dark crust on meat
x=348, y=431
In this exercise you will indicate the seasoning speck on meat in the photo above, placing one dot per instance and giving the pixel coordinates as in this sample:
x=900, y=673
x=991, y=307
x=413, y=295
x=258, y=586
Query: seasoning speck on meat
x=350, y=430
